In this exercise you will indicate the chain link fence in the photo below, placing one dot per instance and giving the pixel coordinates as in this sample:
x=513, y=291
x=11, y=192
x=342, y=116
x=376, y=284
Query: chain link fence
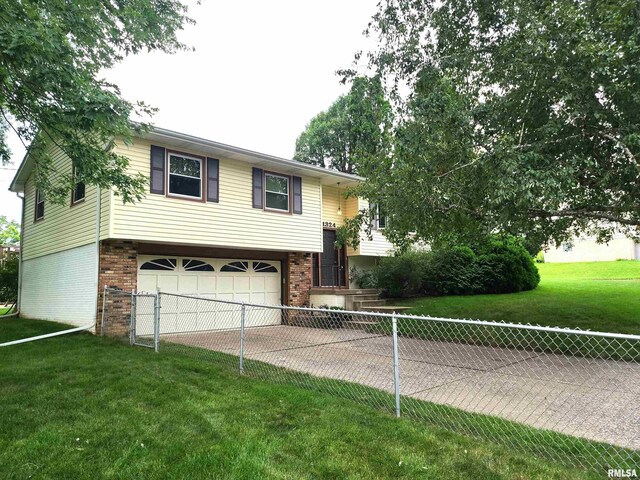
x=568, y=395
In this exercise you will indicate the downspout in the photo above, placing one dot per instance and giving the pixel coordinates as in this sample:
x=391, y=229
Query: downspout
x=97, y=275
x=19, y=301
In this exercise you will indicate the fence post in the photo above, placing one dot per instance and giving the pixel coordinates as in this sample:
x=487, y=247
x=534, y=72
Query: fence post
x=104, y=308
x=132, y=322
x=156, y=323
x=396, y=373
x=243, y=312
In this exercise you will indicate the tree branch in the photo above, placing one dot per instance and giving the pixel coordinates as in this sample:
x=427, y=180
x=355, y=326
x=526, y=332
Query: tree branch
x=628, y=153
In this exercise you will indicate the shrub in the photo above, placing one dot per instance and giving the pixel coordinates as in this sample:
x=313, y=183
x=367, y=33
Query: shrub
x=498, y=265
x=505, y=266
x=451, y=271
x=9, y=279
x=402, y=275
x=363, y=278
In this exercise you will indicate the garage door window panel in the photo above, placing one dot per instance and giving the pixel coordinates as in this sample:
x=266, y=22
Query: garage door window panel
x=190, y=265
x=160, y=264
x=236, y=267
x=264, y=267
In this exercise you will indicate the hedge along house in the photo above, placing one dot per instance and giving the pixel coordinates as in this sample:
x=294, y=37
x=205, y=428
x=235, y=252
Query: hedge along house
x=217, y=220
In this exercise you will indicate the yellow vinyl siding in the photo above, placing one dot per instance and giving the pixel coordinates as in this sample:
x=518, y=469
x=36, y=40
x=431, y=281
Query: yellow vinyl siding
x=332, y=198
x=63, y=226
x=230, y=223
x=350, y=209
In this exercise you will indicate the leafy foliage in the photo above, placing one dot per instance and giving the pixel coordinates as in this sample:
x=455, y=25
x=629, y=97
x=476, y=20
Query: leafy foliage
x=9, y=232
x=9, y=279
x=495, y=265
x=51, y=58
x=353, y=130
x=522, y=117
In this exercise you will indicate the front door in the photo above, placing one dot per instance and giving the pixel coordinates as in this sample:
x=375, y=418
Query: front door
x=332, y=262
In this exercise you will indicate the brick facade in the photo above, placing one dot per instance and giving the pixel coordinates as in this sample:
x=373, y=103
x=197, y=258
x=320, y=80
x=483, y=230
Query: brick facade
x=299, y=271
x=118, y=269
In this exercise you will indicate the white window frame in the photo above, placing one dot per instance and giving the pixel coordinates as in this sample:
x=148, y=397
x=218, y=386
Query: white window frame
x=75, y=200
x=39, y=200
x=378, y=217
x=288, y=179
x=189, y=157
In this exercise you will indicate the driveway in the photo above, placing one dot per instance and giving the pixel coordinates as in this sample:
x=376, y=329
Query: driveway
x=595, y=399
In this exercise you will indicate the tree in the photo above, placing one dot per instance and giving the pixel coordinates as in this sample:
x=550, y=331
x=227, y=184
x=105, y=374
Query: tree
x=9, y=232
x=523, y=118
x=353, y=130
x=9, y=279
x=51, y=57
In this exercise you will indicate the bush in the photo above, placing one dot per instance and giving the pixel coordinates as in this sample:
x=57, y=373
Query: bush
x=401, y=276
x=363, y=278
x=451, y=271
x=498, y=265
x=505, y=266
x=9, y=279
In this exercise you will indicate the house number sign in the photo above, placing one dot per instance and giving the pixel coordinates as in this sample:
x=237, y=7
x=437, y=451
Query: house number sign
x=329, y=224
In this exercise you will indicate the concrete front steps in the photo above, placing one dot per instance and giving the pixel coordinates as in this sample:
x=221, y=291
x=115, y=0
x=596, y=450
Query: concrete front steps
x=354, y=299
x=369, y=302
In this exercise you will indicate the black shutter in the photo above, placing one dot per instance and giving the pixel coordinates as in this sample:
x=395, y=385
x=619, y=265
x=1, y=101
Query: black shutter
x=157, y=169
x=257, y=188
x=297, y=195
x=213, y=179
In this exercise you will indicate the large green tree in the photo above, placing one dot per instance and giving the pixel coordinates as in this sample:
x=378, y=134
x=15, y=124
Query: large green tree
x=52, y=55
x=522, y=117
x=354, y=129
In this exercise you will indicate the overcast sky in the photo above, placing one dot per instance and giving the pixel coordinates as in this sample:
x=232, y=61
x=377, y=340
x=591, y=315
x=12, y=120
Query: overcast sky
x=260, y=72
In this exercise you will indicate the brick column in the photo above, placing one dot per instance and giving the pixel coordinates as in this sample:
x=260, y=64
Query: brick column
x=299, y=268
x=118, y=269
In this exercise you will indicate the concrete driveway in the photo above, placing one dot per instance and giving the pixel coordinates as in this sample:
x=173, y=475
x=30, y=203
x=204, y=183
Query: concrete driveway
x=595, y=399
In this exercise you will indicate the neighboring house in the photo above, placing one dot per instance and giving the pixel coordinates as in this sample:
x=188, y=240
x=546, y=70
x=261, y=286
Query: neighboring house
x=586, y=249
x=217, y=220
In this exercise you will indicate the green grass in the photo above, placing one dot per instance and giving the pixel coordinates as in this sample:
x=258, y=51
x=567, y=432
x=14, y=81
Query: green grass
x=5, y=310
x=80, y=406
x=599, y=296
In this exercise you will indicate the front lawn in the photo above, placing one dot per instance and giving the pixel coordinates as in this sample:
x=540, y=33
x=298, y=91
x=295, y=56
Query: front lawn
x=5, y=310
x=80, y=406
x=603, y=296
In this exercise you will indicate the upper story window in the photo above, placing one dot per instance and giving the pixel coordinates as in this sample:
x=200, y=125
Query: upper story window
x=276, y=192
x=185, y=176
x=79, y=190
x=39, y=214
x=381, y=219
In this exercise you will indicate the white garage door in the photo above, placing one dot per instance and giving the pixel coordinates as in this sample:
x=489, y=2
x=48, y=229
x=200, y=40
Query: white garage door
x=240, y=280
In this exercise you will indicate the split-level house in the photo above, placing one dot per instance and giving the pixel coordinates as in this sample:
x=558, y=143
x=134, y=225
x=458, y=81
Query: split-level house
x=216, y=220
